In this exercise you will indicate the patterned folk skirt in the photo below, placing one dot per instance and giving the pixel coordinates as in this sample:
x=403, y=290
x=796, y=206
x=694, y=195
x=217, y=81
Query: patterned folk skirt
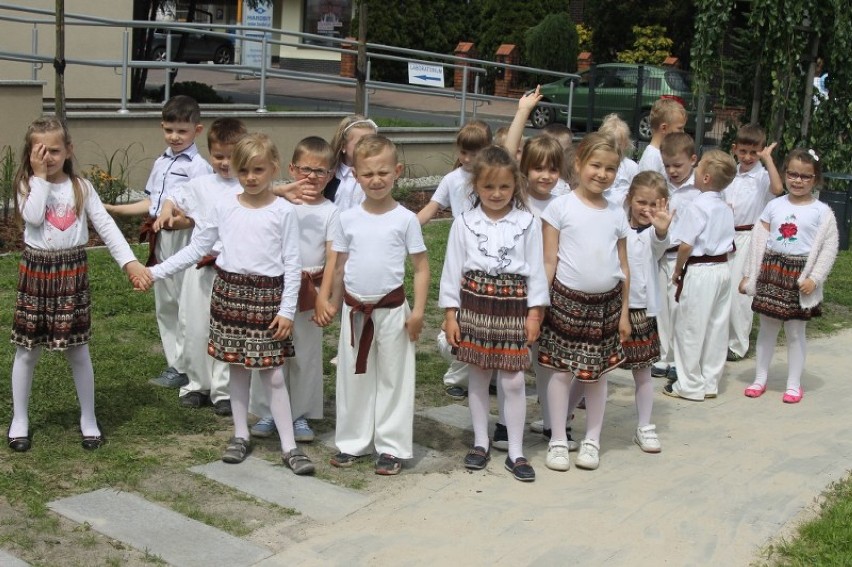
x=53, y=303
x=241, y=308
x=642, y=349
x=580, y=332
x=492, y=321
x=777, y=290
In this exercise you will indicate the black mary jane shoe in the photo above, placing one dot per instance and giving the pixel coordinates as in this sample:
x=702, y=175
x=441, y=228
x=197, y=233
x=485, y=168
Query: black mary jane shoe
x=93, y=442
x=20, y=444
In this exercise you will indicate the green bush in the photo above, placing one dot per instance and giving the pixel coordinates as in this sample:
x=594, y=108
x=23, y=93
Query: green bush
x=552, y=44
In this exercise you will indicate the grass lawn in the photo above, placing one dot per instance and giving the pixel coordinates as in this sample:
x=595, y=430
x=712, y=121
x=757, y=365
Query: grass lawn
x=152, y=441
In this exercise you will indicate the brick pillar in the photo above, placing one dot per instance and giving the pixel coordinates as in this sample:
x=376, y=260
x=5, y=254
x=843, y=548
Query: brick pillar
x=672, y=61
x=467, y=50
x=349, y=61
x=506, y=53
x=584, y=61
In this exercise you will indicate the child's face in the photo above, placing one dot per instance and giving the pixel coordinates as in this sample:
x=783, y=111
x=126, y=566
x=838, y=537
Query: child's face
x=256, y=176
x=679, y=167
x=466, y=158
x=747, y=155
x=220, y=159
x=598, y=172
x=703, y=179
x=676, y=124
x=314, y=168
x=352, y=138
x=377, y=175
x=55, y=152
x=495, y=189
x=642, y=206
x=542, y=179
x=180, y=135
x=800, y=178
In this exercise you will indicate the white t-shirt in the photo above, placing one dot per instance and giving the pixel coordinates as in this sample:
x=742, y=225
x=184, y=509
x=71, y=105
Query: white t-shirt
x=587, y=256
x=707, y=225
x=511, y=245
x=51, y=221
x=679, y=200
x=172, y=170
x=198, y=197
x=349, y=193
x=262, y=242
x=537, y=206
x=561, y=188
x=318, y=224
x=644, y=250
x=627, y=170
x=748, y=194
x=652, y=160
x=377, y=246
x=792, y=228
x=455, y=191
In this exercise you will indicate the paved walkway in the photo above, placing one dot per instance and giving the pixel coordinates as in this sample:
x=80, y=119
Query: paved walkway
x=734, y=473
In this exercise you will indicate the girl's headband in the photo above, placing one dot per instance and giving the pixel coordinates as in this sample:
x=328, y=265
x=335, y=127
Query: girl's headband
x=366, y=121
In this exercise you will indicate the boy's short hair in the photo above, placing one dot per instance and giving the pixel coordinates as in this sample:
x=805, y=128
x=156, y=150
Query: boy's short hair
x=182, y=108
x=677, y=143
x=664, y=111
x=559, y=132
x=500, y=136
x=751, y=135
x=314, y=146
x=226, y=131
x=542, y=150
x=474, y=136
x=373, y=145
x=721, y=168
x=253, y=146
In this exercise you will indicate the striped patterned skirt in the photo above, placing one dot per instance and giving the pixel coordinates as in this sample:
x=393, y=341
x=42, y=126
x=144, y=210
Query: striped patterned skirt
x=777, y=290
x=580, y=332
x=241, y=308
x=492, y=321
x=642, y=349
x=53, y=304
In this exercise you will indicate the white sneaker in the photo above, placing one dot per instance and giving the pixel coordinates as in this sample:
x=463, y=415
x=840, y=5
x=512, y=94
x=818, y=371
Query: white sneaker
x=537, y=426
x=646, y=438
x=588, y=457
x=557, y=457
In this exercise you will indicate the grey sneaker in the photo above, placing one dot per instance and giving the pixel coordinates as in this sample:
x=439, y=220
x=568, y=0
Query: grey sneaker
x=236, y=451
x=170, y=378
x=302, y=431
x=265, y=427
x=298, y=462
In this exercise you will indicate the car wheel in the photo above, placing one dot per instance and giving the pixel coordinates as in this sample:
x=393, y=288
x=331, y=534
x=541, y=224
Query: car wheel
x=645, y=132
x=541, y=116
x=224, y=55
x=158, y=54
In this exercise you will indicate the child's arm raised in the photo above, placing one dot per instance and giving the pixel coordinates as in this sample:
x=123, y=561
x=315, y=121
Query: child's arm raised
x=414, y=323
x=776, y=184
x=526, y=104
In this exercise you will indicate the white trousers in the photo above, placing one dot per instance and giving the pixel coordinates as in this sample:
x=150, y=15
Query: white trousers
x=742, y=316
x=167, y=298
x=376, y=409
x=665, y=313
x=302, y=373
x=701, y=330
x=205, y=373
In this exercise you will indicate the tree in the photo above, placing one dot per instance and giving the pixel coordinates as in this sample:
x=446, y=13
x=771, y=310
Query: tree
x=650, y=45
x=552, y=44
x=507, y=21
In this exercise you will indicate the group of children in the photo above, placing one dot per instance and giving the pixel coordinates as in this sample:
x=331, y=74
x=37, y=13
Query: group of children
x=569, y=262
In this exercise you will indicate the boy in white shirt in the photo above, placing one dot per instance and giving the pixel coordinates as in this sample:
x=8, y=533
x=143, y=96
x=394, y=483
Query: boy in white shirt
x=375, y=373
x=706, y=235
x=757, y=182
x=667, y=116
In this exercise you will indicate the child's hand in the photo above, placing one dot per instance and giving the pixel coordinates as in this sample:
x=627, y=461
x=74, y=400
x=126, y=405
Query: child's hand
x=808, y=286
x=766, y=152
x=661, y=218
x=414, y=325
x=677, y=276
x=532, y=326
x=178, y=221
x=138, y=275
x=110, y=208
x=742, y=286
x=452, y=331
x=624, y=329
x=324, y=312
x=161, y=222
x=281, y=327
x=38, y=160
x=528, y=102
x=297, y=192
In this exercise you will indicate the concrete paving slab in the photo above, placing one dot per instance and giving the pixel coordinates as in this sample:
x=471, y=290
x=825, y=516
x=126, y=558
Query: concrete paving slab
x=316, y=499
x=151, y=528
x=9, y=560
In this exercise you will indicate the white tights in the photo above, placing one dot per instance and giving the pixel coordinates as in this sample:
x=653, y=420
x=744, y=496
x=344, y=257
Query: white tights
x=766, y=339
x=563, y=395
x=514, y=406
x=277, y=395
x=22, y=382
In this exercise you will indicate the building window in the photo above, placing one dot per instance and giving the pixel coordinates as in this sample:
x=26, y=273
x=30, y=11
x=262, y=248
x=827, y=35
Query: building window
x=331, y=18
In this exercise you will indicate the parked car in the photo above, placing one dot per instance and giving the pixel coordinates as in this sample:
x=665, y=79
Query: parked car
x=198, y=47
x=615, y=90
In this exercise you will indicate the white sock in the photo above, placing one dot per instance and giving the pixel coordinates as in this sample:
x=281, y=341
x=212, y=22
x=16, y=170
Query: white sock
x=515, y=409
x=796, y=351
x=279, y=404
x=767, y=337
x=239, y=385
x=84, y=379
x=477, y=401
x=557, y=402
x=644, y=395
x=22, y=384
x=595, y=406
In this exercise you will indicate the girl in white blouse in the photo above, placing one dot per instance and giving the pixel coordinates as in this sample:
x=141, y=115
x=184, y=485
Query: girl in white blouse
x=494, y=291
